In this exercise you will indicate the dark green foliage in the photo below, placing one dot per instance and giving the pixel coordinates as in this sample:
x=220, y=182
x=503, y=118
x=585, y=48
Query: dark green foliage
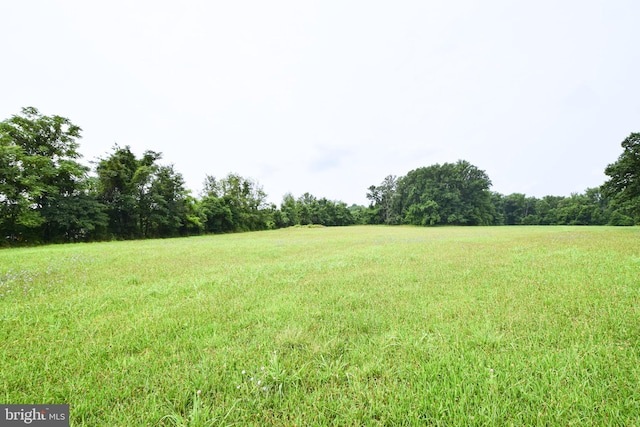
x=143, y=198
x=116, y=191
x=581, y=209
x=425, y=213
x=458, y=194
x=46, y=195
x=359, y=214
x=43, y=188
x=73, y=218
x=516, y=207
x=168, y=203
x=546, y=210
x=619, y=219
x=308, y=210
x=497, y=200
x=589, y=208
x=218, y=216
x=235, y=204
x=289, y=210
x=452, y=193
x=385, y=198
x=623, y=186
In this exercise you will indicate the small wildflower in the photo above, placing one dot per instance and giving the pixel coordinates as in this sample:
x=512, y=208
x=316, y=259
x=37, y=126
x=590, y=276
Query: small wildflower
x=259, y=382
x=251, y=379
x=262, y=369
x=264, y=388
x=238, y=387
x=491, y=370
x=198, y=392
x=244, y=372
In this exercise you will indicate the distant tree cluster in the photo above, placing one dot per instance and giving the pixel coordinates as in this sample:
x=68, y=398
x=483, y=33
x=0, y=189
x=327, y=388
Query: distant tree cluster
x=452, y=193
x=308, y=210
x=458, y=194
x=47, y=195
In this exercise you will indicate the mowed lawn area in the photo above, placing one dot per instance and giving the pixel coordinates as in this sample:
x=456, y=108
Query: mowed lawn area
x=362, y=325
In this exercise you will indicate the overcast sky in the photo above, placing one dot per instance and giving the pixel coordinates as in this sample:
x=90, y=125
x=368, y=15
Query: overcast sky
x=329, y=97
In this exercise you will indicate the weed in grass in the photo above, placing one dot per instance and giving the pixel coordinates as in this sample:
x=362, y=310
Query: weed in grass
x=19, y=281
x=198, y=414
x=272, y=380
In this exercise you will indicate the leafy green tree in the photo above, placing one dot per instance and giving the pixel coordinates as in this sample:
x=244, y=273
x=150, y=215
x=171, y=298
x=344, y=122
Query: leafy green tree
x=574, y=210
x=217, y=215
x=235, y=203
x=342, y=215
x=195, y=218
x=169, y=203
x=497, y=201
x=618, y=218
x=588, y=208
x=452, y=193
x=330, y=213
x=116, y=191
x=143, y=198
x=475, y=197
x=73, y=218
x=144, y=203
x=308, y=209
x=275, y=217
x=547, y=210
x=518, y=209
x=383, y=198
x=359, y=214
x=43, y=196
x=289, y=210
x=425, y=213
x=219, y=218
x=321, y=211
x=305, y=208
x=599, y=206
x=623, y=186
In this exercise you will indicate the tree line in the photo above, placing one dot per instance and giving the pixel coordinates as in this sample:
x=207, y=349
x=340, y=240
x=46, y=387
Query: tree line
x=47, y=195
x=458, y=194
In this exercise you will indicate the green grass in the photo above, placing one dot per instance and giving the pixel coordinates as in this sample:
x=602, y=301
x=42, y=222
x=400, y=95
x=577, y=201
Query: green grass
x=330, y=326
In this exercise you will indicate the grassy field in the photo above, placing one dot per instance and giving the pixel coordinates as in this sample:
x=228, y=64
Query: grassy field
x=330, y=326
